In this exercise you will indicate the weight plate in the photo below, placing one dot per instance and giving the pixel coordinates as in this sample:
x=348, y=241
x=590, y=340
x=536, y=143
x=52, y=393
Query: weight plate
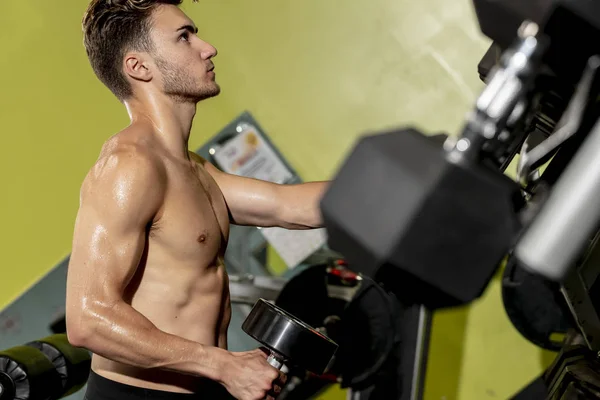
x=297, y=342
x=318, y=296
x=7, y=386
x=73, y=364
x=367, y=335
x=33, y=375
x=535, y=307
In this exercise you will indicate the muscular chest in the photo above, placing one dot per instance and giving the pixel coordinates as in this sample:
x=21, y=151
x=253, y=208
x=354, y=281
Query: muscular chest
x=194, y=221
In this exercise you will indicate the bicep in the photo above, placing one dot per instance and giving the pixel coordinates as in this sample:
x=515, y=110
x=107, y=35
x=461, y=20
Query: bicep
x=109, y=236
x=105, y=252
x=250, y=201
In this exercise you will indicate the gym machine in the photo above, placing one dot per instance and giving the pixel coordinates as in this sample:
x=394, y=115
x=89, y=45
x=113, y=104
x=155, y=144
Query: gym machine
x=432, y=218
x=373, y=345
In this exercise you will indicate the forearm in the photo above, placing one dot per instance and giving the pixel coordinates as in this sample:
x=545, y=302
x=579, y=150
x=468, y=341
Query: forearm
x=120, y=333
x=300, y=205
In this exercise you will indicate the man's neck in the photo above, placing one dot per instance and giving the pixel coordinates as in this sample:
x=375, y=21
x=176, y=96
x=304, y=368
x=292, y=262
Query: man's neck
x=172, y=120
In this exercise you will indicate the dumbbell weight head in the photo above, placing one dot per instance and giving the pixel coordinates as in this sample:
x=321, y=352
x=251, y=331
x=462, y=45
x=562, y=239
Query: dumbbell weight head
x=433, y=231
x=27, y=374
x=72, y=363
x=7, y=387
x=289, y=339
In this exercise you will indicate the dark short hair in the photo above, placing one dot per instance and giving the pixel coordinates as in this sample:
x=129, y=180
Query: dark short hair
x=113, y=27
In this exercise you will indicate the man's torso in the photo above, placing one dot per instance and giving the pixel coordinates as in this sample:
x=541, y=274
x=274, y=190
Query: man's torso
x=181, y=284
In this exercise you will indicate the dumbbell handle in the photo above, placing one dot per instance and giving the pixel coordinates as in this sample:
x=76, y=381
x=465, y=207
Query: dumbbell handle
x=274, y=360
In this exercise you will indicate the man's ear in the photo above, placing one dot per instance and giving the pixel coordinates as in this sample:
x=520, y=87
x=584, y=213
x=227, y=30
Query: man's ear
x=137, y=66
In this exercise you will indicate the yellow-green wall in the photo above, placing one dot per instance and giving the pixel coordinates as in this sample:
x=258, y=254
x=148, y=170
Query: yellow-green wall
x=315, y=73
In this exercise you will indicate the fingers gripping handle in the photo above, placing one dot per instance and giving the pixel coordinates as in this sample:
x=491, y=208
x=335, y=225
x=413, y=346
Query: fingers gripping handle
x=276, y=362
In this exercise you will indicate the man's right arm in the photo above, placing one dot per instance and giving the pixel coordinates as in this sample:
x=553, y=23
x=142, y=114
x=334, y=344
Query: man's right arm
x=118, y=200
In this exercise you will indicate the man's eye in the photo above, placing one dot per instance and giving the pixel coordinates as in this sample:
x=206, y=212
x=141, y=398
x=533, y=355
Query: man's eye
x=184, y=36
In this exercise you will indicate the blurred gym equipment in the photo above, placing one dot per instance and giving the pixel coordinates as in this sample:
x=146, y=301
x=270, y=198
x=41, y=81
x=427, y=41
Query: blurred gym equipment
x=431, y=222
x=382, y=343
x=45, y=369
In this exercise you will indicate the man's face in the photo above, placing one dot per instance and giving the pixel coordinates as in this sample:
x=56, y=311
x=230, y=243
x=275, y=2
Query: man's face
x=183, y=60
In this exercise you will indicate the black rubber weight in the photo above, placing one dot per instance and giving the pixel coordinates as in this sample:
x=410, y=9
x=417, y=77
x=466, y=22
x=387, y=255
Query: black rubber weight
x=367, y=332
x=33, y=375
x=535, y=307
x=7, y=386
x=290, y=337
x=306, y=297
x=72, y=363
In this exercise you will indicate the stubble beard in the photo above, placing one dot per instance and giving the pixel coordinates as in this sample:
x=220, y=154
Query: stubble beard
x=184, y=87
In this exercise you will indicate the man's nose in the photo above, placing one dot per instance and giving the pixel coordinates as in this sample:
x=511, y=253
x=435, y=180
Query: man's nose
x=208, y=51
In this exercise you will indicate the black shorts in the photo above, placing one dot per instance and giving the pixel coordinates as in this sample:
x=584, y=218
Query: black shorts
x=101, y=388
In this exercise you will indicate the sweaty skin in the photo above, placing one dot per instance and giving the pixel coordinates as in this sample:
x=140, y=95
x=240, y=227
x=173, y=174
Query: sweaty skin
x=150, y=235
x=147, y=290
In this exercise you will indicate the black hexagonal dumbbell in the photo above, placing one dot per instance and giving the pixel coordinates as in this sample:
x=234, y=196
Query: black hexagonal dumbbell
x=431, y=229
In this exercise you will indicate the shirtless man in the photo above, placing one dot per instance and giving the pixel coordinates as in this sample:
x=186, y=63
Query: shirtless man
x=147, y=291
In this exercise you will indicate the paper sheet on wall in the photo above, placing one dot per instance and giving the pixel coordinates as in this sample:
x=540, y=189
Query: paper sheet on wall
x=248, y=154
x=295, y=246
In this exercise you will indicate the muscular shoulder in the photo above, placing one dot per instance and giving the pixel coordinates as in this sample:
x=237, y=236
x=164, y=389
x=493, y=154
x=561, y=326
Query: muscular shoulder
x=126, y=161
x=125, y=176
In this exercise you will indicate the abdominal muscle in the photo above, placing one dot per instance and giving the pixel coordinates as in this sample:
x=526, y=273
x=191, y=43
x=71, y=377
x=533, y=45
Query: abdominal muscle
x=186, y=301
